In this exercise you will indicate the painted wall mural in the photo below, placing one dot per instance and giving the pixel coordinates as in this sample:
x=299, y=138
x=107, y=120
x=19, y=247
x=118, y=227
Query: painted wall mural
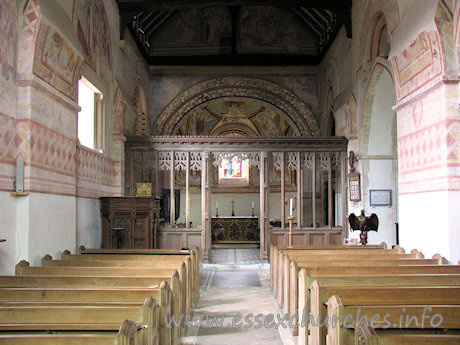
x=427, y=143
x=56, y=62
x=191, y=30
x=235, y=117
x=209, y=31
x=91, y=26
x=445, y=25
x=418, y=65
x=298, y=114
x=259, y=32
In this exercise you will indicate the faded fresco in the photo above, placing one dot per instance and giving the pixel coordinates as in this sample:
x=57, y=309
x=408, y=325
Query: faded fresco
x=259, y=32
x=191, y=30
x=8, y=28
x=92, y=29
x=235, y=117
x=445, y=24
x=56, y=62
x=209, y=32
x=419, y=64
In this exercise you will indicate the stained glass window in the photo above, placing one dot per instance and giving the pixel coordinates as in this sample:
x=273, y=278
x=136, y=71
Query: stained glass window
x=232, y=168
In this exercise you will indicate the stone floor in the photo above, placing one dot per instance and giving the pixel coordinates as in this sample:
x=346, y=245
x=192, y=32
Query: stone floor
x=232, y=294
x=235, y=256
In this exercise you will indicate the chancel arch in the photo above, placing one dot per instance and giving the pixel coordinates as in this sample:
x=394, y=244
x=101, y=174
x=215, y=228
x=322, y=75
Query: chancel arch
x=296, y=113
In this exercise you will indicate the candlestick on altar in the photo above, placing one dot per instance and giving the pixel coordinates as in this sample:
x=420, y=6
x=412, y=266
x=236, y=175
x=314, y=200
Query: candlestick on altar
x=217, y=209
x=290, y=219
x=253, y=208
x=233, y=208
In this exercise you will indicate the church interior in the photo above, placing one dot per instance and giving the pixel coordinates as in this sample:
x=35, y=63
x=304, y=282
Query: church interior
x=231, y=132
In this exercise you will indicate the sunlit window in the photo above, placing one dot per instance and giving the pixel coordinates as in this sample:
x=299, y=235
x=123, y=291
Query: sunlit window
x=234, y=173
x=90, y=118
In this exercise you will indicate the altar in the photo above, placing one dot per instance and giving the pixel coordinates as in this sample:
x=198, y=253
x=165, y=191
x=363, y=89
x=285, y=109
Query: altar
x=235, y=229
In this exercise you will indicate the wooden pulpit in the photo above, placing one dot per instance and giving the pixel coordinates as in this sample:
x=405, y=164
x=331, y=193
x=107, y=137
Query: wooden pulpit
x=129, y=222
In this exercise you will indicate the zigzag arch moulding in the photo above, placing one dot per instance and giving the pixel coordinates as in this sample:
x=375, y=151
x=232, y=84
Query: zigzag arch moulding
x=298, y=114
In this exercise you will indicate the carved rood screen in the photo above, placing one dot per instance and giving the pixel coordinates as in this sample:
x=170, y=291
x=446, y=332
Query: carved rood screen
x=308, y=173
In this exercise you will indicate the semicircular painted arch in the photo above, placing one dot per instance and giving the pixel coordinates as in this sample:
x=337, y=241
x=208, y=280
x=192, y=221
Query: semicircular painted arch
x=297, y=113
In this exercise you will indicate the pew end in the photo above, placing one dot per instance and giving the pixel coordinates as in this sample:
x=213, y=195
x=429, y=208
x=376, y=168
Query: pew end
x=81, y=249
x=45, y=259
x=127, y=334
x=65, y=254
x=384, y=245
x=398, y=249
x=364, y=334
x=441, y=259
x=418, y=254
x=18, y=267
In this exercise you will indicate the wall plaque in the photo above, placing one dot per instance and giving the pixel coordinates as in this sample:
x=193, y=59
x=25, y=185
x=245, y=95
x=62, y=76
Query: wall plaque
x=380, y=197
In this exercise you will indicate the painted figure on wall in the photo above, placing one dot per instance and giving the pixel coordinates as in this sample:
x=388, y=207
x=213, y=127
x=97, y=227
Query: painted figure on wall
x=7, y=29
x=91, y=26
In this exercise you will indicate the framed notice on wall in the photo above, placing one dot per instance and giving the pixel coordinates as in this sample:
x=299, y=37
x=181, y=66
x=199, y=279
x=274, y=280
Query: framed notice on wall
x=354, y=186
x=380, y=197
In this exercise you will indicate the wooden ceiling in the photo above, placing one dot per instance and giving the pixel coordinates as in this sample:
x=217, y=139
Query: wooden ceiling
x=234, y=32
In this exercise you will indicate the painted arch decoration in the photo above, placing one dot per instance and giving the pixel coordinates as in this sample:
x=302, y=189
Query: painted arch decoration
x=295, y=113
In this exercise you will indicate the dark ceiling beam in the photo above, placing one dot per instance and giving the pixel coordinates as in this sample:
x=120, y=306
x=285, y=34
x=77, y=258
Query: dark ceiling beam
x=160, y=22
x=313, y=21
x=317, y=33
x=325, y=14
x=157, y=5
x=235, y=60
x=234, y=11
x=157, y=16
x=320, y=19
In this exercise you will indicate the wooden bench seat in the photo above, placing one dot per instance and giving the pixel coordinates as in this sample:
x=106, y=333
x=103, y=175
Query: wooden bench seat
x=358, y=280
x=65, y=318
x=128, y=334
x=389, y=317
x=127, y=256
x=290, y=282
x=284, y=261
x=277, y=252
x=391, y=295
x=366, y=335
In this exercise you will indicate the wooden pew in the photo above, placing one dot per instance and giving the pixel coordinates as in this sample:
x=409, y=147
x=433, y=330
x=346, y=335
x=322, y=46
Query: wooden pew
x=290, y=279
x=128, y=334
x=366, y=335
x=65, y=318
x=386, y=317
x=391, y=295
x=115, y=255
x=185, y=272
x=23, y=269
x=275, y=251
x=322, y=255
x=194, y=255
x=371, y=280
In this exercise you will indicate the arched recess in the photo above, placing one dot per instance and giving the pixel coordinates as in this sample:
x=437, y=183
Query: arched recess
x=378, y=149
x=142, y=125
x=329, y=121
x=296, y=112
